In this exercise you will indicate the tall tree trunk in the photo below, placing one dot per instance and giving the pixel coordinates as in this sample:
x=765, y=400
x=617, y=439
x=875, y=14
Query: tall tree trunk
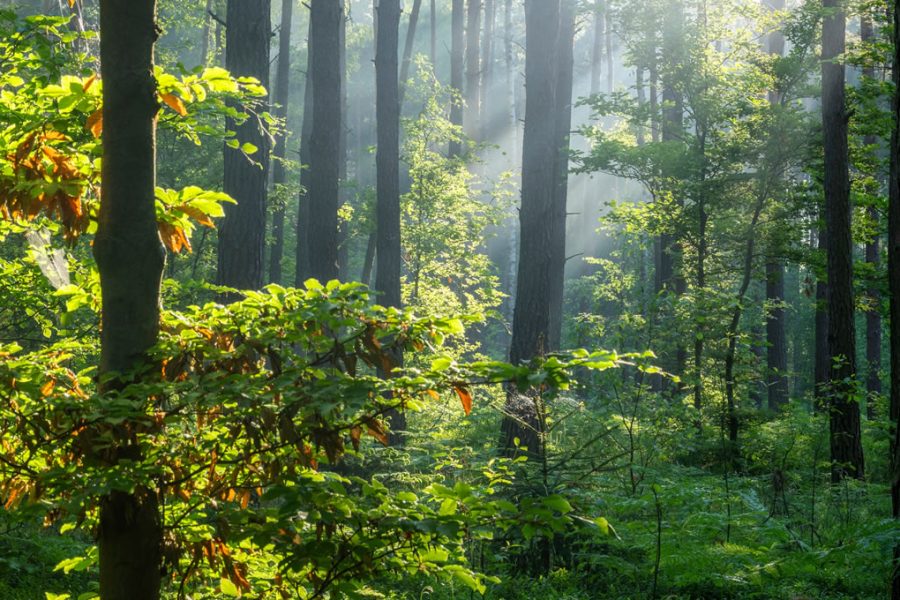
x=434, y=20
x=873, y=258
x=531, y=327
x=597, y=47
x=894, y=285
x=822, y=358
x=131, y=260
x=846, y=447
x=387, y=277
x=408, y=47
x=324, y=143
x=242, y=232
x=610, y=64
x=564, y=80
x=302, y=265
x=457, y=45
x=344, y=225
x=473, y=68
x=279, y=173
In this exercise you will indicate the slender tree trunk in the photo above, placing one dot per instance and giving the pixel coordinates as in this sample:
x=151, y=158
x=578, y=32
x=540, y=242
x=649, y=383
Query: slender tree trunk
x=325, y=147
x=873, y=258
x=457, y=45
x=894, y=285
x=473, y=68
x=822, y=355
x=597, y=47
x=564, y=81
x=408, y=47
x=610, y=64
x=531, y=327
x=846, y=447
x=388, y=243
x=131, y=260
x=242, y=232
x=302, y=265
x=279, y=173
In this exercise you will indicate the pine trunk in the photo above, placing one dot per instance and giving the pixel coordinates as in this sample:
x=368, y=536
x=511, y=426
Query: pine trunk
x=279, y=174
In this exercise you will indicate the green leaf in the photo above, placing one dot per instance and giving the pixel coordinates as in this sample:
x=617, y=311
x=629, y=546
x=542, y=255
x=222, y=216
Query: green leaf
x=557, y=503
x=228, y=588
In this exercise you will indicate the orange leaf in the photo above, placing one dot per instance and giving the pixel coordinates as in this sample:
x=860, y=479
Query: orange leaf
x=90, y=81
x=47, y=388
x=175, y=103
x=71, y=3
x=94, y=123
x=465, y=397
x=355, y=434
x=376, y=430
x=196, y=214
x=433, y=394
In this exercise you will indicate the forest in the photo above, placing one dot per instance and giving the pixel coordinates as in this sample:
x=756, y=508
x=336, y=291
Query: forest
x=449, y=299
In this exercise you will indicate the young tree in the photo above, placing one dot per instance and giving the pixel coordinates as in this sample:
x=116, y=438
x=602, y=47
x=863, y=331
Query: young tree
x=130, y=258
x=242, y=232
x=846, y=447
x=279, y=173
x=324, y=142
x=540, y=154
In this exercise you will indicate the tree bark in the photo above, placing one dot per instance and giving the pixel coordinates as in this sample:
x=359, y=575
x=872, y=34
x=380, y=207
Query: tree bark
x=279, y=173
x=564, y=81
x=776, y=336
x=487, y=69
x=894, y=285
x=388, y=242
x=324, y=142
x=531, y=327
x=242, y=231
x=457, y=45
x=131, y=259
x=303, y=271
x=846, y=448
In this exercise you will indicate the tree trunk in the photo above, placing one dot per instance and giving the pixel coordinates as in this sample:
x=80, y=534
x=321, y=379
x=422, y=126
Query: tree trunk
x=242, y=232
x=822, y=355
x=597, y=47
x=324, y=142
x=894, y=285
x=610, y=64
x=279, y=174
x=303, y=270
x=531, y=327
x=457, y=44
x=434, y=18
x=846, y=449
x=564, y=76
x=473, y=68
x=408, y=47
x=204, y=41
x=131, y=260
x=388, y=243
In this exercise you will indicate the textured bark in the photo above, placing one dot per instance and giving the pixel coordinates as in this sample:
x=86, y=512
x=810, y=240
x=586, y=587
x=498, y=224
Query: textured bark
x=388, y=243
x=821, y=359
x=303, y=270
x=846, y=448
x=242, y=231
x=457, y=45
x=531, y=325
x=130, y=259
x=279, y=175
x=894, y=285
x=204, y=40
x=564, y=75
x=473, y=67
x=776, y=350
x=324, y=142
